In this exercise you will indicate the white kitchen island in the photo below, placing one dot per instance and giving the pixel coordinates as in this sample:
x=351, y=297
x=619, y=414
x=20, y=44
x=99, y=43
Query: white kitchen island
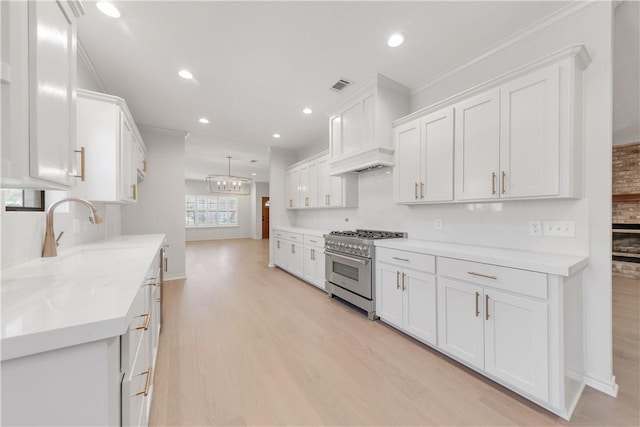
x=514, y=316
x=80, y=333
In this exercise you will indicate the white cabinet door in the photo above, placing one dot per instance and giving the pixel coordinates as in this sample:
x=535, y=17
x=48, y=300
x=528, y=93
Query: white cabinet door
x=52, y=92
x=436, y=149
x=330, y=188
x=335, y=137
x=516, y=342
x=293, y=188
x=407, y=168
x=309, y=185
x=529, y=136
x=279, y=253
x=295, y=260
x=389, y=296
x=128, y=174
x=310, y=266
x=460, y=321
x=420, y=305
x=477, y=147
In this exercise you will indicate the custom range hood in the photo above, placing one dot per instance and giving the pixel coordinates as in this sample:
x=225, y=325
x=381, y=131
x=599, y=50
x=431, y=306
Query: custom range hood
x=361, y=135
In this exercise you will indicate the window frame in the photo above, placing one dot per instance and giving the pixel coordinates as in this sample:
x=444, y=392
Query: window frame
x=41, y=208
x=232, y=206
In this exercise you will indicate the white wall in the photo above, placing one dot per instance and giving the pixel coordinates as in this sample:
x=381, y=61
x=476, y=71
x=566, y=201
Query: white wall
x=241, y=231
x=279, y=216
x=260, y=190
x=160, y=207
x=506, y=224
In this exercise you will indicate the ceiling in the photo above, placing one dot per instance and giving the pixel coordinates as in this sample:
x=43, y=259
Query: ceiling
x=256, y=65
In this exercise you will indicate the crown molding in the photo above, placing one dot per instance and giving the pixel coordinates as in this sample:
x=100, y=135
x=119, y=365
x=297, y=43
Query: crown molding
x=559, y=17
x=164, y=131
x=84, y=58
x=76, y=7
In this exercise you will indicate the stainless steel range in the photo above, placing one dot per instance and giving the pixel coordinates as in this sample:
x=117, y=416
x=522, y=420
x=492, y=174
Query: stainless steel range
x=349, y=266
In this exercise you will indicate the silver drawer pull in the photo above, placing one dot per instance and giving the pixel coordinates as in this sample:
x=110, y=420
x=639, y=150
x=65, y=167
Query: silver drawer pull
x=313, y=241
x=473, y=273
x=401, y=259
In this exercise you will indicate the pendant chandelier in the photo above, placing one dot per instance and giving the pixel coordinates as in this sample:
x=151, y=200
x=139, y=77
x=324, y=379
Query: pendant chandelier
x=228, y=184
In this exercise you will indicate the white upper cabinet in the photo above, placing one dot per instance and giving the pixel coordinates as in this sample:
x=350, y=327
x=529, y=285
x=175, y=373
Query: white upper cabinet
x=309, y=185
x=477, y=142
x=292, y=190
x=424, y=159
x=518, y=136
x=39, y=47
x=110, y=140
x=530, y=135
x=361, y=136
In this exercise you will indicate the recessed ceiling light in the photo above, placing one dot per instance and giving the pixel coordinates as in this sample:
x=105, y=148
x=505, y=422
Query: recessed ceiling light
x=276, y=135
x=185, y=74
x=307, y=111
x=108, y=9
x=254, y=174
x=203, y=120
x=396, y=40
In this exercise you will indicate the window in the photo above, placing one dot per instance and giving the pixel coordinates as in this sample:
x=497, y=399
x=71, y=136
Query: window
x=211, y=211
x=24, y=200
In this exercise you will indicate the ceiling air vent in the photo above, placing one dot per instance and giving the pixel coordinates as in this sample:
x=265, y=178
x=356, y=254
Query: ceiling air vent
x=340, y=85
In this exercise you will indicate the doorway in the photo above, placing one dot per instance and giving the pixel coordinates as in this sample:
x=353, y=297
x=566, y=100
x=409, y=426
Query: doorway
x=265, y=217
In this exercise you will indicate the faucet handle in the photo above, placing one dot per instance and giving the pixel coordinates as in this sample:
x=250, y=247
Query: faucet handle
x=58, y=238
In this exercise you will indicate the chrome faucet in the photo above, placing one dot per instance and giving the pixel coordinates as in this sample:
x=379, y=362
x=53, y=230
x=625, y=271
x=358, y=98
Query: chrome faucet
x=50, y=242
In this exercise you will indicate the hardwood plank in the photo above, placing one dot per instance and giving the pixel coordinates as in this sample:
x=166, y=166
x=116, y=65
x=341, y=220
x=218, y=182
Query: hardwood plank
x=244, y=344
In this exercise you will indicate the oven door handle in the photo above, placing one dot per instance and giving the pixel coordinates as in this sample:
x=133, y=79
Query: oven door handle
x=361, y=261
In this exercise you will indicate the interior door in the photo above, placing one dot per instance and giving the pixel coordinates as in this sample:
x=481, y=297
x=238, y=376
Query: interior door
x=265, y=217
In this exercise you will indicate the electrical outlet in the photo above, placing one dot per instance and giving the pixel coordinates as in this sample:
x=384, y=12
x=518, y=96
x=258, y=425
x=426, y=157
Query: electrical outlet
x=535, y=228
x=438, y=224
x=560, y=228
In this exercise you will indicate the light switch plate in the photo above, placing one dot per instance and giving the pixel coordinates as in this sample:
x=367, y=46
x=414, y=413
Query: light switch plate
x=560, y=228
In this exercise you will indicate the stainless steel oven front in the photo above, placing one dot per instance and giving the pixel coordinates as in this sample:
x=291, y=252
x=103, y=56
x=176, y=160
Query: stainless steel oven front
x=350, y=272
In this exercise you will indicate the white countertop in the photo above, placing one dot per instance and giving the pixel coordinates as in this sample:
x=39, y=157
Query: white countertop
x=82, y=295
x=307, y=231
x=558, y=264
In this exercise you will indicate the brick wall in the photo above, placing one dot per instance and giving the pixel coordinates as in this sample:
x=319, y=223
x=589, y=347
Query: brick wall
x=626, y=180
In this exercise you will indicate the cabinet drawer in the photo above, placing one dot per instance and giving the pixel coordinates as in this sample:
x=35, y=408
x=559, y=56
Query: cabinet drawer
x=421, y=262
x=295, y=237
x=279, y=233
x=510, y=279
x=314, y=241
x=141, y=317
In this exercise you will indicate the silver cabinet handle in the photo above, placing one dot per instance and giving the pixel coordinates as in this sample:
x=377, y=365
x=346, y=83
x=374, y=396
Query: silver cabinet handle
x=477, y=304
x=416, y=191
x=403, y=286
x=493, y=183
x=422, y=190
x=82, y=152
x=486, y=306
x=473, y=273
x=504, y=176
x=401, y=259
x=397, y=280
x=278, y=244
x=313, y=241
x=293, y=249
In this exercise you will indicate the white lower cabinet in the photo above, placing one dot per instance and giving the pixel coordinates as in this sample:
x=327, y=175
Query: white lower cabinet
x=103, y=382
x=313, y=264
x=406, y=298
x=300, y=254
x=520, y=328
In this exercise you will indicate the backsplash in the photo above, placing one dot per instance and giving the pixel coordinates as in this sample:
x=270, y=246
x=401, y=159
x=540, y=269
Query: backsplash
x=496, y=224
x=23, y=232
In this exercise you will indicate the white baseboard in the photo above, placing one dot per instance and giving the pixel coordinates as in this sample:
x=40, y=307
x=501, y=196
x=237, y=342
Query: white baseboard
x=610, y=388
x=271, y=265
x=174, y=277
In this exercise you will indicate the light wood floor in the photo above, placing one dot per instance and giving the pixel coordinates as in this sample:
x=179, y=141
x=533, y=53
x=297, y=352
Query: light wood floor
x=244, y=344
